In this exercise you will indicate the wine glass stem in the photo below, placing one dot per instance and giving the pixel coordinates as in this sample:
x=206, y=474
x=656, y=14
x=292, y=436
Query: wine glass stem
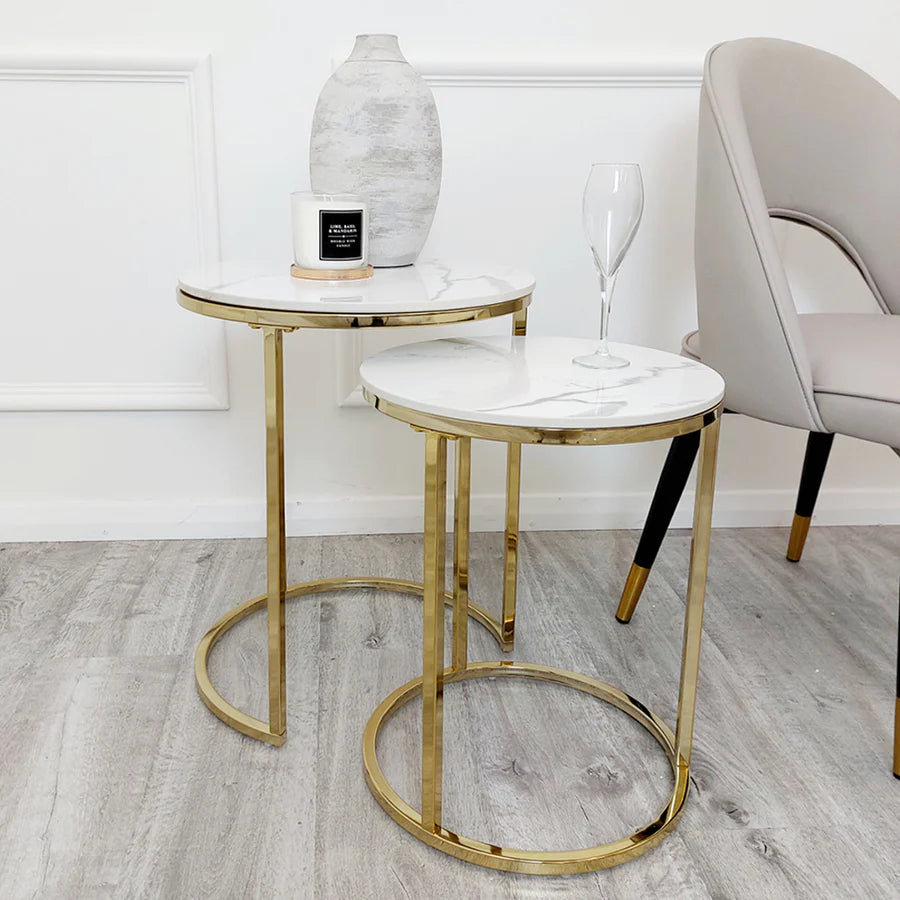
x=606, y=289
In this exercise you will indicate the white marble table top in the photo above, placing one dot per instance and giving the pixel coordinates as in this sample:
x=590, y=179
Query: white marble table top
x=532, y=382
x=424, y=287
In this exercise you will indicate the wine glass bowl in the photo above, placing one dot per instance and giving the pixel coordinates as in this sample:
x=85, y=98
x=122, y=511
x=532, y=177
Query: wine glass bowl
x=611, y=211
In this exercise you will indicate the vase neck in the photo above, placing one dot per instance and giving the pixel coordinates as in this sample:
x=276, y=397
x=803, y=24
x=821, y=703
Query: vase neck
x=377, y=46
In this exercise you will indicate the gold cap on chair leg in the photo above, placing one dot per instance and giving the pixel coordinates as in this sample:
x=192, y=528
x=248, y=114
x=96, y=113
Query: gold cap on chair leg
x=897, y=739
x=631, y=593
x=799, y=530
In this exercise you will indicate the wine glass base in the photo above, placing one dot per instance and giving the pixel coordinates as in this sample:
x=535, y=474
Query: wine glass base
x=601, y=361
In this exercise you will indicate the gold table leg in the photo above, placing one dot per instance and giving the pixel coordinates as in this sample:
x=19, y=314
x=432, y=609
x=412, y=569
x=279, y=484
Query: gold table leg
x=511, y=536
x=276, y=578
x=274, y=730
x=433, y=628
x=511, y=544
x=426, y=825
x=461, y=553
x=696, y=591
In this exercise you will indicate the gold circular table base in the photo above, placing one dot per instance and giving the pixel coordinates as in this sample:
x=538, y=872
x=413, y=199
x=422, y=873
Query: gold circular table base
x=532, y=862
x=257, y=728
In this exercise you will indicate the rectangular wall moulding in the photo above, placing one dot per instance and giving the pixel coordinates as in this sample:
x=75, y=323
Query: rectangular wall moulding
x=108, y=175
x=554, y=74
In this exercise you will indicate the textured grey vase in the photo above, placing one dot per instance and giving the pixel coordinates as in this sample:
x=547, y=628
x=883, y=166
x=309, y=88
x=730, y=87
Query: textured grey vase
x=376, y=132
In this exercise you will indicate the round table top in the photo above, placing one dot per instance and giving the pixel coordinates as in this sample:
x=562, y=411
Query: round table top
x=531, y=382
x=424, y=289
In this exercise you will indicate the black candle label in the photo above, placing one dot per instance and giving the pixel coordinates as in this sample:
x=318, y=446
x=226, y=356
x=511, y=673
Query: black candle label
x=340, y=234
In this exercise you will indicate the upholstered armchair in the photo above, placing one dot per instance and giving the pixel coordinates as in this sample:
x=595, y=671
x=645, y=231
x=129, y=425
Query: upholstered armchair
x=787, y=131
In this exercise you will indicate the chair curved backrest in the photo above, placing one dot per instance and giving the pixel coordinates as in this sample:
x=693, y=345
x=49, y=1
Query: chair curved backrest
x=787, y=131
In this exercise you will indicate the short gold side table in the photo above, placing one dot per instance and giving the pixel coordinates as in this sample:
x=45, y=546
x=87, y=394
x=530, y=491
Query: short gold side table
x=429, y=293
x=527, y=390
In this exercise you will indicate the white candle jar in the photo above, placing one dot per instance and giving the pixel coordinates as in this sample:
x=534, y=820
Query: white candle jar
x=331, y=231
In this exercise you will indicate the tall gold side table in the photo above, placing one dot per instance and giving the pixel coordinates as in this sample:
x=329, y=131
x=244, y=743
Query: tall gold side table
x=430, y=293
x=528, y=391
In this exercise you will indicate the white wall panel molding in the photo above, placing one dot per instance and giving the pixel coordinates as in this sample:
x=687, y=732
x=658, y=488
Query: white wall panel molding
x=162, y=520
x=112, y=133
x=550, y=74
x=481, y=71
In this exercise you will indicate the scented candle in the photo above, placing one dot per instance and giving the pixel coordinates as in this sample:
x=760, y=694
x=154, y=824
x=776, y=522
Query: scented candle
x=331, y=231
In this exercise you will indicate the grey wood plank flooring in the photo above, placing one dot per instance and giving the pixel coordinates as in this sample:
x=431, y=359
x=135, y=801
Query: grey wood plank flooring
x=116, y=781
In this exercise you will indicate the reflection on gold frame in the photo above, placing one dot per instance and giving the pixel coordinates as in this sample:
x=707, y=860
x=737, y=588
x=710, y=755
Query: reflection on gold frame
x=256, y=728
x=288, y=320
x=532, y=862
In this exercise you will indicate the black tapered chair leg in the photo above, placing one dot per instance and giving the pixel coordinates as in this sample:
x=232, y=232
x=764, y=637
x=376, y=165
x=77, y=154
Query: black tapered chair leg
x=669, y=488
x=818, y=446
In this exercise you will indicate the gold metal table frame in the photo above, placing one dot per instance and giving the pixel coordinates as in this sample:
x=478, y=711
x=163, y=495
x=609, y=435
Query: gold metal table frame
x=273, y=324
x=426, y=824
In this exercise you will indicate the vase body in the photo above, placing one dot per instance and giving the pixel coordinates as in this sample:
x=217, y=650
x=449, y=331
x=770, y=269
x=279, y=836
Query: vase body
x=376, y=132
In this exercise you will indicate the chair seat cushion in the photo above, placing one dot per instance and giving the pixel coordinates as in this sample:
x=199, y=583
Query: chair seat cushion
x=855, y=362
x=854, y=354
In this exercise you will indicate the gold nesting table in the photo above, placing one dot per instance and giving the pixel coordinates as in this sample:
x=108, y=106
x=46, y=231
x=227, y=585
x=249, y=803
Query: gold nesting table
x=267, y=298
x=525, y=390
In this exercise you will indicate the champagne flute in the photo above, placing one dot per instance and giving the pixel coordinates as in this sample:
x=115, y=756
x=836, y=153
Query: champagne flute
x=611, y=212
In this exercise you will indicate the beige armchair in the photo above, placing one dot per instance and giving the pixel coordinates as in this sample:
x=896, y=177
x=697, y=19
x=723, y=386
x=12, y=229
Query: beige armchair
x=787, y=131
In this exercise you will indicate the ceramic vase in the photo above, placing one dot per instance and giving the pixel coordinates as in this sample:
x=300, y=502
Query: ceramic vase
x=376, y=132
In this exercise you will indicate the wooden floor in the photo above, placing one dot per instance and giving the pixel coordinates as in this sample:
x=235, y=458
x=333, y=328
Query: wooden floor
x=116, y=782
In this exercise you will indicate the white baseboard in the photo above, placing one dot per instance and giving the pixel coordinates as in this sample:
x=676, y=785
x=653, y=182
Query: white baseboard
x=135, y=520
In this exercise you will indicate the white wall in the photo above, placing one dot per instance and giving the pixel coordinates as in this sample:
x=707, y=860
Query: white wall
x=114, y=423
